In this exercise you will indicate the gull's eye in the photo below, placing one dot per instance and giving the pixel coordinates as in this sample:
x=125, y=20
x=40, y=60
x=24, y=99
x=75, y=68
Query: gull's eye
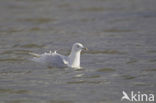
x=78, y=46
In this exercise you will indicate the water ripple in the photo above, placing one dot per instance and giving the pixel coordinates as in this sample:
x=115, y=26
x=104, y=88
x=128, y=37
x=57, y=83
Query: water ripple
x=106, y=70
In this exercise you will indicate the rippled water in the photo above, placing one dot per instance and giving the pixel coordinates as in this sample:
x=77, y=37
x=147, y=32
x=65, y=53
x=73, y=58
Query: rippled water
x=120, y=35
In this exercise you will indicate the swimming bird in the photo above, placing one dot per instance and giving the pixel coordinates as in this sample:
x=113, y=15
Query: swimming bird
x=54, y=59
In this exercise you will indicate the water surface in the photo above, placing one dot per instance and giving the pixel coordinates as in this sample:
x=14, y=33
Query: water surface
x=120, y=35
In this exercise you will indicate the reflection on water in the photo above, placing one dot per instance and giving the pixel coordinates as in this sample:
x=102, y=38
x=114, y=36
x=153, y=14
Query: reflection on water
x=120, y=36
x=10, y=91
x=105, y=52
x=150, y=70
x=128, y=77
x=82, y=81
x=11, y=60
x=132, y=60
x=105, y=70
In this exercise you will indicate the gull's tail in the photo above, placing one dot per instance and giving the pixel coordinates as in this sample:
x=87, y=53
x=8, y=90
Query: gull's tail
x=34, y=54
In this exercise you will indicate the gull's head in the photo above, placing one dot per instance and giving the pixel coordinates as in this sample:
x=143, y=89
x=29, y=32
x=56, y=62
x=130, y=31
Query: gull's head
x=78, y=47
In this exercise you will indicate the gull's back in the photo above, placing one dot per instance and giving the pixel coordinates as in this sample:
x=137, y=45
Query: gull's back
x=52, y=59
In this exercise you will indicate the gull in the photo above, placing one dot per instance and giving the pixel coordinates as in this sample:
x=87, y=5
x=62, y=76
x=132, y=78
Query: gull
x=54, y=59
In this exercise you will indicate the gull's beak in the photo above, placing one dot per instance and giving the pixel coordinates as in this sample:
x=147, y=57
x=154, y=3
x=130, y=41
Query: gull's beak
x=85, y=49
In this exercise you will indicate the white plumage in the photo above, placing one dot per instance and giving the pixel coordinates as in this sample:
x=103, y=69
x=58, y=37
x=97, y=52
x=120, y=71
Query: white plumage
x=54, y=59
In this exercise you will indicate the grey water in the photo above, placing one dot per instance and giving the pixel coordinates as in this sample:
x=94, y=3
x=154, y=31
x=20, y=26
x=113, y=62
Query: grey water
x=120, y=36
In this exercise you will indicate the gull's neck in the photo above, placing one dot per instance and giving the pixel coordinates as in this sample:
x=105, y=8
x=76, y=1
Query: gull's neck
x=74, y=58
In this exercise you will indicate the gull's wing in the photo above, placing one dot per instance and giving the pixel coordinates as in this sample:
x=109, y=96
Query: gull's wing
x=53, y=59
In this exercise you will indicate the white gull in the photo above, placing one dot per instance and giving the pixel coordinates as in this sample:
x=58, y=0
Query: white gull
x=54, y=59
